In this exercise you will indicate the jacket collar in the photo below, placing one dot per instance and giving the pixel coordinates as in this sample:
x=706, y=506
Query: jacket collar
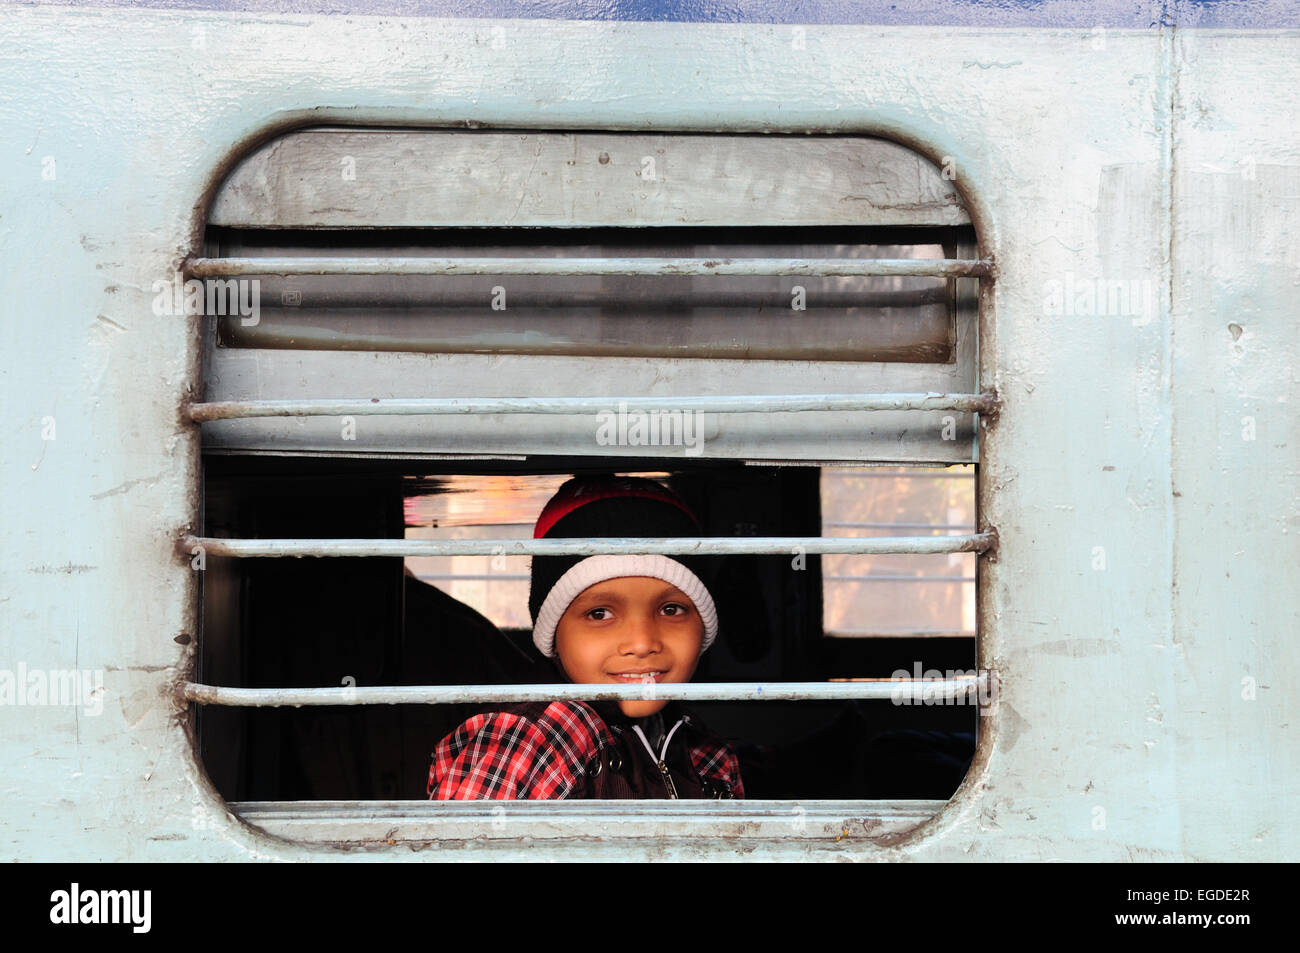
x=612, y=715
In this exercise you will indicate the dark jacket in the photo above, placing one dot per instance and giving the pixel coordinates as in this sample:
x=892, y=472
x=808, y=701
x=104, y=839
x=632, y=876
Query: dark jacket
x=571, y=749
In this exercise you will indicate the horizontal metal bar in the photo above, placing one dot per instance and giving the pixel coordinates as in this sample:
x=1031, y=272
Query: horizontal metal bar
x=768, y=404
x=686, y=545
x=844, y=472
x=899, y=633
x=473, y=576
x=642, y=824
x=455, y=524
x=363, y=812
x=564, y=267
x=937, y=527
x=894, y=577
x=522, y=577
x=873, y=689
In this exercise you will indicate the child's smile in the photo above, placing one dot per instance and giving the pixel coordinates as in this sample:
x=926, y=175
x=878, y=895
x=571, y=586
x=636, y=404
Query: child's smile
x=630, y=630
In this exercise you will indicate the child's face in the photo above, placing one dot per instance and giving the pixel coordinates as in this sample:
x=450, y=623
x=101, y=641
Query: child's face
x=632, y=630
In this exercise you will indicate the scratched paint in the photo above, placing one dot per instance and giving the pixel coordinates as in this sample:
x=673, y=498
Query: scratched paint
x=1141, y=474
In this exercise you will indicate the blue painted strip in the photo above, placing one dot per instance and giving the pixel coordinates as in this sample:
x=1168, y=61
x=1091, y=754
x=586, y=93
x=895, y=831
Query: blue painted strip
x=1120, y=14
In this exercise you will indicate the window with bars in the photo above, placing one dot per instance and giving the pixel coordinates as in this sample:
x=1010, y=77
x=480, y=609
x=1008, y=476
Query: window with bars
x=429, y=361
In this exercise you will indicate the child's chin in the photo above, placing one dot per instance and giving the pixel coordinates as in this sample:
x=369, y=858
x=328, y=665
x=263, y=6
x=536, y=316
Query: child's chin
x=640, y=709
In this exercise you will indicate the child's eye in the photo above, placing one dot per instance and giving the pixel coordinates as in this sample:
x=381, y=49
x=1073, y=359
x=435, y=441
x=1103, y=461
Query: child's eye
x=598, y=614
x=675, y=608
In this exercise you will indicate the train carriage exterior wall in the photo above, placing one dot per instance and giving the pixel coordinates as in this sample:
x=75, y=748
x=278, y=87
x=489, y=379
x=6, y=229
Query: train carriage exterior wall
x=1141, y=610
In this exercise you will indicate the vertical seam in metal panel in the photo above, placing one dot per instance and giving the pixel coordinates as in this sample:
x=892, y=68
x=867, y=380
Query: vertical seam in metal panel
x=1169, y=80
x=1169, y=77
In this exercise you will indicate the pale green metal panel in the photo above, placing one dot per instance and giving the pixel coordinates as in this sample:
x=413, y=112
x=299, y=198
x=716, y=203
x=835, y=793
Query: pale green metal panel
x=1121, y=686
x=1236, y=455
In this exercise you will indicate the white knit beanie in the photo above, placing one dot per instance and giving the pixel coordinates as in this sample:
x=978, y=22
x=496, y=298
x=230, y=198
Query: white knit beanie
x=586, y=573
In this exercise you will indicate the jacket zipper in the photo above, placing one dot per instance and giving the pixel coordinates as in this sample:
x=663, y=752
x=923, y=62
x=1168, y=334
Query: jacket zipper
x=659, y=760
x=668, y=780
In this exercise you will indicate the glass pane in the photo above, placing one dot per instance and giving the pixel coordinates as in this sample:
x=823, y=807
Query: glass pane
x=865, y=596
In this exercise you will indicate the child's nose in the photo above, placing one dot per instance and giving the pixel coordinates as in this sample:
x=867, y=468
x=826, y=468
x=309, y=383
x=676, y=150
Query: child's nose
x=640, y=637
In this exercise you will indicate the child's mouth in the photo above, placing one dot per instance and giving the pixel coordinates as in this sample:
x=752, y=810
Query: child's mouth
x=638, y=677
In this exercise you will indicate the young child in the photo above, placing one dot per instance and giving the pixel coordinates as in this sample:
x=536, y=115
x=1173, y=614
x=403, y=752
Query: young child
x=641, y=619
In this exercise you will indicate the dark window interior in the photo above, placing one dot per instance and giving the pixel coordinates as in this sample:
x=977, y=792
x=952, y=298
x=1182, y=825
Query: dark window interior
x=313, y=622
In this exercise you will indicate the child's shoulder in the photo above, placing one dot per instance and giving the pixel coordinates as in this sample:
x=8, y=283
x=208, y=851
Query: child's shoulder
x=573, y=727
x=715, y=759
x=536, y=750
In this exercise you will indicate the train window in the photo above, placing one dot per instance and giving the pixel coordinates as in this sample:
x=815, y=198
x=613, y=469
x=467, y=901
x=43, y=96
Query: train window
x=448, y=321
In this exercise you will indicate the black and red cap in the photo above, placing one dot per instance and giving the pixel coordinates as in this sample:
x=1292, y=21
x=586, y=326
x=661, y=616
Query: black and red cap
x=605, y=506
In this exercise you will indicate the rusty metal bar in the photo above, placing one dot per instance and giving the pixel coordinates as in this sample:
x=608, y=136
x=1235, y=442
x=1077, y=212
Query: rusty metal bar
x=766, y=404
x=649, y=267
x=686, y=545
x=913, y=690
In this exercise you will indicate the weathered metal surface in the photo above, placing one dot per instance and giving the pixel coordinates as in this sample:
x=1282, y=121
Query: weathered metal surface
x=240, y=374
x=846, y=334
x=1106, y=14
x=1141, y=475
x=829, y=825
x=811, y=267
x=704, y=546
x=707, y=316
x=340, y=178
x=798, y=354
x=736, y=404
x=883, y=435
x=963, y=689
